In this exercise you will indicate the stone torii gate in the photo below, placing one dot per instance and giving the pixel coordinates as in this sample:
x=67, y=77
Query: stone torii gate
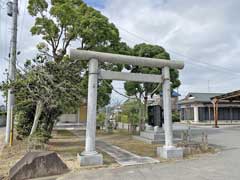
x=90, y=156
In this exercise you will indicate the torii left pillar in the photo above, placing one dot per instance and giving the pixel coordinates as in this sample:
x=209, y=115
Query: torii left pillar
x=90, y=156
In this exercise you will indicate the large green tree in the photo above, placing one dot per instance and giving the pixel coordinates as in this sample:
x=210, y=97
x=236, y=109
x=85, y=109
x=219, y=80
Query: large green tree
x=42, y=91
x=54, y=82
x=60, y=22
x=130, y=113
x=143, y=90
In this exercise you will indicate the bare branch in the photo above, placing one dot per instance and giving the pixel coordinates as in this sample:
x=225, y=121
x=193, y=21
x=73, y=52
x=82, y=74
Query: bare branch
x=59, y=37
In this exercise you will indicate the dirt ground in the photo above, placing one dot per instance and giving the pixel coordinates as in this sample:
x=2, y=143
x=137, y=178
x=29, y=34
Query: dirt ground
x=64, y=142
x=69, y=143
x=10, y=155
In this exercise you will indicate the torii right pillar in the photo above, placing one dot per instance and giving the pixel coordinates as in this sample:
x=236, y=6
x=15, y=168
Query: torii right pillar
x=168, y=151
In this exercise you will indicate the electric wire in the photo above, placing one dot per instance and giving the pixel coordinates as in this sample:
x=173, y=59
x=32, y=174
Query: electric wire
x=189, y=59
x=17, y=65
x=22, y=24
x=111, y=86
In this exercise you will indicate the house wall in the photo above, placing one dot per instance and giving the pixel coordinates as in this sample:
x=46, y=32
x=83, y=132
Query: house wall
x=83, y=113
x=226, y=112
x=186, y=113
x=79, y=117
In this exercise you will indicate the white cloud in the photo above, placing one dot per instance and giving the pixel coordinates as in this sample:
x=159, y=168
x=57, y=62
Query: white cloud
x=26, y=42
x=203, y=31
x=206, y=32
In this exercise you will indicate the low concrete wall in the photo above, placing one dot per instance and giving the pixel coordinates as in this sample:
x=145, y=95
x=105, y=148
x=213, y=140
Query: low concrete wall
x=226, y=122
x=122, y=125
x=3, y=120
x=68, y=118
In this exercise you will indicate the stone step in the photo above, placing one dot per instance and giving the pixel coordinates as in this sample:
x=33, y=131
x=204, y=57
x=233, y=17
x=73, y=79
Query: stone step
x=151, y=135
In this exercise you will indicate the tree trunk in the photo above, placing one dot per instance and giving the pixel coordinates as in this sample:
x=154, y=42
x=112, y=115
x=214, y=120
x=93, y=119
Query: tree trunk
x=39, y=109
x=145, y=109
x=140, y=116
x=50, y=126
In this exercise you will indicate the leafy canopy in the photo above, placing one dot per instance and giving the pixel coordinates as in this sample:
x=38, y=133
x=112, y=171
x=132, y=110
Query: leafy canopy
x=63, y=21
x=145, y=89
x=60, y=22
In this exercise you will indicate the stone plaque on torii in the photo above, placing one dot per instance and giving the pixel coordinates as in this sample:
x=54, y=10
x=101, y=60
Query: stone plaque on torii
x=90, y=156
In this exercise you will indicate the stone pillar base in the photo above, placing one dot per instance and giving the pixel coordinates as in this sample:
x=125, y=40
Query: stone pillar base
x=93, y=159
x=170, y=152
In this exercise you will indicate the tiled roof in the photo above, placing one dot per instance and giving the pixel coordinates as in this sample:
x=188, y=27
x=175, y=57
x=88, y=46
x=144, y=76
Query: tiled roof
x=198, y=97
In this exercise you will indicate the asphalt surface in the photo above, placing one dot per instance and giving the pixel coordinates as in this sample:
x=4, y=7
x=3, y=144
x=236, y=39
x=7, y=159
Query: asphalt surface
x=224, y=165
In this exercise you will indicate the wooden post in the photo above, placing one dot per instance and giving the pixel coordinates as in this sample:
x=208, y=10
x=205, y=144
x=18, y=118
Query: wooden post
x=215, y=110
x=216, y=122
x=231, y=114
x=209, y=114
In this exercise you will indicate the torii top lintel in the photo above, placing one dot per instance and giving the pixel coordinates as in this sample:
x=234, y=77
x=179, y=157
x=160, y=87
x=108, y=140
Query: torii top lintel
x=123, y=59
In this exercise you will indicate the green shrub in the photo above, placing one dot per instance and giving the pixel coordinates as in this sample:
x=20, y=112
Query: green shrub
x=101, y=119
x=175, y=117
x=124, y=118
x=24, y=122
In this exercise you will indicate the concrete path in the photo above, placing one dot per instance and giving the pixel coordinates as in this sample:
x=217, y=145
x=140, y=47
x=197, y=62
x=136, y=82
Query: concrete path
x=224, y=165
x=123, y=157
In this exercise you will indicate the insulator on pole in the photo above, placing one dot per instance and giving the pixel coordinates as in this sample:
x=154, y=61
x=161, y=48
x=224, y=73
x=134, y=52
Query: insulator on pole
x=10, y=8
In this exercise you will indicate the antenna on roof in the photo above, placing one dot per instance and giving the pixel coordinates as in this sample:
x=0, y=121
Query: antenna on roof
x=208, y=85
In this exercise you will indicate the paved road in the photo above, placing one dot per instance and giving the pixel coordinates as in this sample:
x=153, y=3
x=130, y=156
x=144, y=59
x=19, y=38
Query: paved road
x=224, y=165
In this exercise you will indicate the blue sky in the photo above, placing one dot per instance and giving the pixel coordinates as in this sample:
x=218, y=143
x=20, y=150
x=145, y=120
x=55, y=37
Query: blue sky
x=206, y=36
x=99, y=4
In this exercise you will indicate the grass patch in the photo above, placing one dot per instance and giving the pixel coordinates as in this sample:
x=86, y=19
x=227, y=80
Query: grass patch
x=68, y=145
x=125, y=141
x=63, y=142
x=62, y=134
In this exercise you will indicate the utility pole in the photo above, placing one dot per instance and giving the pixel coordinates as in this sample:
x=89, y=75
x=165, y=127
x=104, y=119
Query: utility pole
x=12, y=69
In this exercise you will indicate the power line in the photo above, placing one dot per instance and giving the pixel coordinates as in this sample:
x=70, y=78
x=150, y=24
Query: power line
x=193, y=62
x=110, y=85
x=22, y=23
x=2, y=36
x=189, y=59
x=19, y=66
